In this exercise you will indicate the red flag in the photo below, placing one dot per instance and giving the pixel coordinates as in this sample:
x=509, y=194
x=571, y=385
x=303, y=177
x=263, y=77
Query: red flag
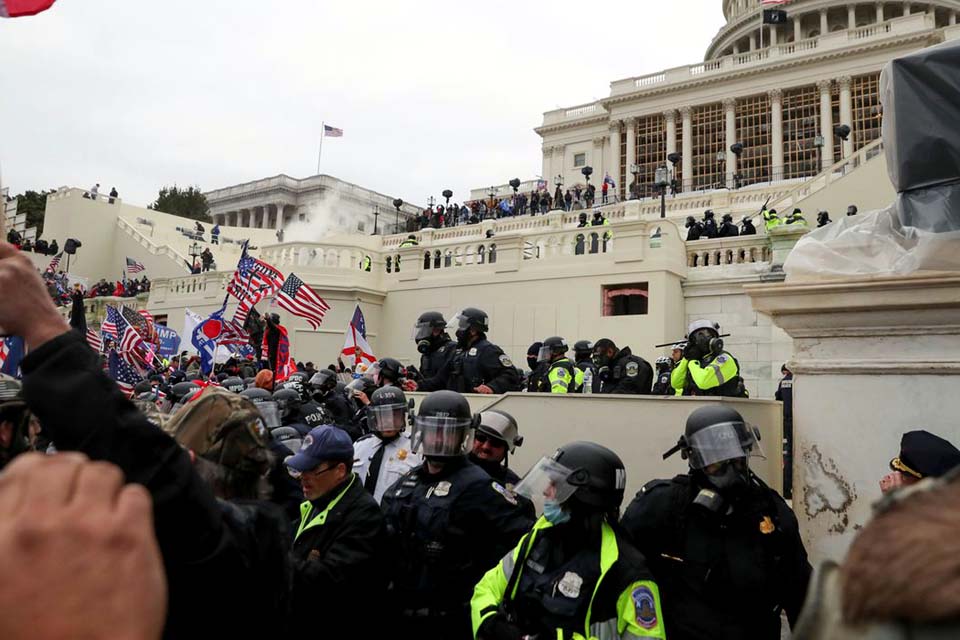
x=18, y=8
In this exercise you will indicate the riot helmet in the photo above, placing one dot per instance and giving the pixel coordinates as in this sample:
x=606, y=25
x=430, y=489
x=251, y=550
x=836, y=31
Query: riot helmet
x=322, y=383
x=705, y=336
x=467, y=319
x=586, y=473
x=690, y=222
x=265, y=403
x=708, y=214
x=502, y=426
x=727, y=218
x=364, y=384
x=181, y=391
x=443, y=425
x=663, y=362
x=583, y=349
x=288, y=402
x=533, y=354
x=297, y=383
x=852, y=210
x=386, y=371
x=387, y=411
x=552, y=346
x=426, y=323
x=233, y=384
x=823, y=218
x=583, y=216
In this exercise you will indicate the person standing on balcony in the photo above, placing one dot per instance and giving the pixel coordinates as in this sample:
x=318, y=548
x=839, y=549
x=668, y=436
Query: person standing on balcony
x=694, y=229
x=770, y=219
x=727, y=228
x=796, y=218
x=747, y=228
x=113, y=195
x=823, y=219
x=215, y=233
x=568, y=200
x=95, y=191
x=706, y=369
x=709, y=224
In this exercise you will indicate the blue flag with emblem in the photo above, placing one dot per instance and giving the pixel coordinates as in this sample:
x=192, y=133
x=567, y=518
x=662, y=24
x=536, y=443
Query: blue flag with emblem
x=205, y=337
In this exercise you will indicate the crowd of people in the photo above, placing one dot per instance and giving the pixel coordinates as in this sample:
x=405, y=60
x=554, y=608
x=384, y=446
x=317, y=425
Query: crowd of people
x=311, y=495
x=708, y=227
x=41, y=246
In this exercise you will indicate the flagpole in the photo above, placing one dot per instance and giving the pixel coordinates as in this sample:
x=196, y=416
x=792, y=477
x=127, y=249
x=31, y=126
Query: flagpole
x=320, y=152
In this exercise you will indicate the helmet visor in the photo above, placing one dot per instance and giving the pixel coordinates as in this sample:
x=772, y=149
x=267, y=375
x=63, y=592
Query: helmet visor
x=546, y=480
x=722, y=442
x=270, y=412
x=460, y=321
x=544, y=354
x=387, y=417
x=421, y=331
x=434, y=436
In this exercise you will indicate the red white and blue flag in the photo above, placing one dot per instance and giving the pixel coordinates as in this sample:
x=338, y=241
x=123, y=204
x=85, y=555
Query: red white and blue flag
x=95, y=340
x=332, y=132
x=111, y=322
x=55, y=263
x=300, y=300
x=253, y=281
x=12, y=350
x=19, y=8
x=134, y=267
x=355, y=344
x=123, y=373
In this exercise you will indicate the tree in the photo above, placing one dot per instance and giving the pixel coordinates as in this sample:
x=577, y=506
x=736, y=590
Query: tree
x=186, y=203
x=34, y=204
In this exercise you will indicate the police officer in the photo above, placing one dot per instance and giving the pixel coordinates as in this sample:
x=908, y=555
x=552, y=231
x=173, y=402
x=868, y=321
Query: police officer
x=727, y=228
x=496, y=435
x=411, y=241
x=620, y=370
x=479, y=366
x=575, y=575
x=387, y=371
x=796, y=218
x=448, y=522
x=537, y=369
x=706, y=369
x=309, y=412
x=233, y=384
x=583, y=354
x=562, y=376
x=823, y=219
x=709, y=224
x=785, y=395
x=323, y=390
x=433, y=342
x=770, y=219
x=662, y=386
x=381, y=457
x=580, y=240
x=366, y=264
x=724, y=547
x=922, y=455
x=694, y=229
x=599, y=221
x=747, y=228
x=288, y=406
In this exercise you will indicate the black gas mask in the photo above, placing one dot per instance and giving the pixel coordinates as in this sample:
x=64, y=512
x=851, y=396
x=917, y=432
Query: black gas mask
x=463, y=338
x=532, y=362
x=423, y=346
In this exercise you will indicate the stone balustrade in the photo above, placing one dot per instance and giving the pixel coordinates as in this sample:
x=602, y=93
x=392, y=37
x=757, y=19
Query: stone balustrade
x=715, y=252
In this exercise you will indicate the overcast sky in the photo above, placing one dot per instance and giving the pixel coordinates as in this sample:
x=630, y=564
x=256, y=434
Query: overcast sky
x=430, y=94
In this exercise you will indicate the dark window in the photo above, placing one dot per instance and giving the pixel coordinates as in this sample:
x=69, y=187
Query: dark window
x=625, y=299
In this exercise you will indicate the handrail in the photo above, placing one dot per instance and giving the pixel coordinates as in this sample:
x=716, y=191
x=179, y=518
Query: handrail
x=828, y=176
x=150, y=246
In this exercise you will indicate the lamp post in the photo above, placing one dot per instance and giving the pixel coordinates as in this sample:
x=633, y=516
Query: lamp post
x=431, y=201
x=194, y=252
x=396, y=225
x=492, y=192
x=376, y=214
x=447, y=194
x=842, y=131
x=737, y=149
x=721, y=161
x=662, y=180
x=674, y=159
x=635, y=170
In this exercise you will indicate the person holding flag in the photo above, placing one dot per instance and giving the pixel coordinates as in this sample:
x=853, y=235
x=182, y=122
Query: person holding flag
x=276, y=344
x=355, y=344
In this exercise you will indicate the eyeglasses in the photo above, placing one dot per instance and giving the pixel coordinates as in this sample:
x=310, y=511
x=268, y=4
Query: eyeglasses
x=483, y=438
x=313, y=472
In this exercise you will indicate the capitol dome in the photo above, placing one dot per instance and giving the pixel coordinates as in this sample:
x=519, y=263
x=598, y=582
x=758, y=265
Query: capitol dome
x=811, y=18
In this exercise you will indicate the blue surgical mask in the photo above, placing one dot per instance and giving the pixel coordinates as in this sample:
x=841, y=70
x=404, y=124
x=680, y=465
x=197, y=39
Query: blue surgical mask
x=554, y=513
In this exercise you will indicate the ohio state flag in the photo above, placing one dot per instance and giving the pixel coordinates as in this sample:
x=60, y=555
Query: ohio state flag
x=18, y=8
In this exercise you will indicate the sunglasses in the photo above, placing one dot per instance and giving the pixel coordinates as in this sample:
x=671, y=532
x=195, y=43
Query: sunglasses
x=483, y=438
x=313, y=472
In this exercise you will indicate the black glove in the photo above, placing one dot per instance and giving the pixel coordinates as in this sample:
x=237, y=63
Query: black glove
x=692, y=351
x=498, y=627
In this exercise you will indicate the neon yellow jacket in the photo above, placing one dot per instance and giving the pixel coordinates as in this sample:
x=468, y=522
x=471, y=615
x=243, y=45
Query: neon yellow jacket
x=678, y=377
x=716, y=372
x=558, y=377
x=638, y=605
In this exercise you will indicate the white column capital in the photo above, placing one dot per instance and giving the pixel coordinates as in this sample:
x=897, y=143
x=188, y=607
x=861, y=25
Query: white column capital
x=685, y=111
x=670, y=115
x=775, y=95
x=615, y=126
x=844, y=82
x=547, y=152
x=729, y=104
x=599, y=140
x=824, y=85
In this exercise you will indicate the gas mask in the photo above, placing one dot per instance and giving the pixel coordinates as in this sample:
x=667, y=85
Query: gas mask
x=424, y=346
x=601, y=359
x=532, y=362
x=463, y=338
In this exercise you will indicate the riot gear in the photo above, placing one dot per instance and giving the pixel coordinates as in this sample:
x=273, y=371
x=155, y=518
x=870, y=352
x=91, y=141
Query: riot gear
x=552, y=346
x=426, y=323
x=233, y=384
x=590, y=474
x=502, y=426
x=582, y=349
x=322, y=383
x=442, y=426
x=387, y=411
x=467, y=319
x=288, y=402
x=181, y=391
x=387, y=371
x=298, y=383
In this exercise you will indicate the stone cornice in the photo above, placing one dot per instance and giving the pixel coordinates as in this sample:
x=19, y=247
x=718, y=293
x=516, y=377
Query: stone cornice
x=572, y=124
x=930, y=37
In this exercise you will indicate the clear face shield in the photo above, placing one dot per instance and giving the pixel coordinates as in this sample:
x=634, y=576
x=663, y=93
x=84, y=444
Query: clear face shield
x=270, y=412
x=421, y=331
x=441, y=437
x=387, y=417
x=546, y=353
x=546, y=480
x=722, y=442
x=459, y=322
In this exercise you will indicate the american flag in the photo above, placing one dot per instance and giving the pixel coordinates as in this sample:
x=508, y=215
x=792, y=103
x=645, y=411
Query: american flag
x=94, y=340
x=233, y=334
x=110, y=323
x=132, y=347
x=332, y=132
x=253, y=281
x=134, y=267
x=125, y=375
x=300, y=300
x=55, y=263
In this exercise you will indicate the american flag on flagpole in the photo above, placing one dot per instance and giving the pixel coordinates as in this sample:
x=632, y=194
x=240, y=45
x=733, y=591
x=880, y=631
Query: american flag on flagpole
x=300, y=300
x=94, y=340
x=132, y=347
x=110, y=323
x=134, y=267
x=253, y=281
x=125, y=375
x=332, y=132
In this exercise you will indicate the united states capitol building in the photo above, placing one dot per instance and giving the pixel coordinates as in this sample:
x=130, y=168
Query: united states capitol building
x=753, y=123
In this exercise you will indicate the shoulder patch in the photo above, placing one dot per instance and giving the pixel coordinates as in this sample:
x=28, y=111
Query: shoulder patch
x=721, y=359
x=655, y=484
x=632, y=369
x=561, y=372
x=472, y=352
x=505, y=360
x=507, y=494
x=645, y=607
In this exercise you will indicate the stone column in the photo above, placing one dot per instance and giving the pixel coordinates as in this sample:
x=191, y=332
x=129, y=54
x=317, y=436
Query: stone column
x=797, y=31
x=613, y=152
x=279, y=217
x=736, y=47
x=670, y=122
x=548, y=164
x=559, y=160
x=776, y=134
x=753, y=41
x=824, y=30
x=851, y=16
x=687, y=166
x=631, y=148
x=597, y=160
x=730, y=129
x=952, y=18
x=879, y=12
x=906, y=9
x=773, y=35
x=826, y=123
x=846, y=113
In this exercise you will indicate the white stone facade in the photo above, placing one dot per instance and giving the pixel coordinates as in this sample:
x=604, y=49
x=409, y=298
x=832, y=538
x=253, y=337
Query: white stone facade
x=323, y=201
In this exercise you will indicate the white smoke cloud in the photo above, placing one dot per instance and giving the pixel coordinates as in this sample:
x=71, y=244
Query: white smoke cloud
x=322, y=220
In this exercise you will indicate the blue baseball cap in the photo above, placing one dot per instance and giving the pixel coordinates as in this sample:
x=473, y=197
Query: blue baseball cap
x=323, y=444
